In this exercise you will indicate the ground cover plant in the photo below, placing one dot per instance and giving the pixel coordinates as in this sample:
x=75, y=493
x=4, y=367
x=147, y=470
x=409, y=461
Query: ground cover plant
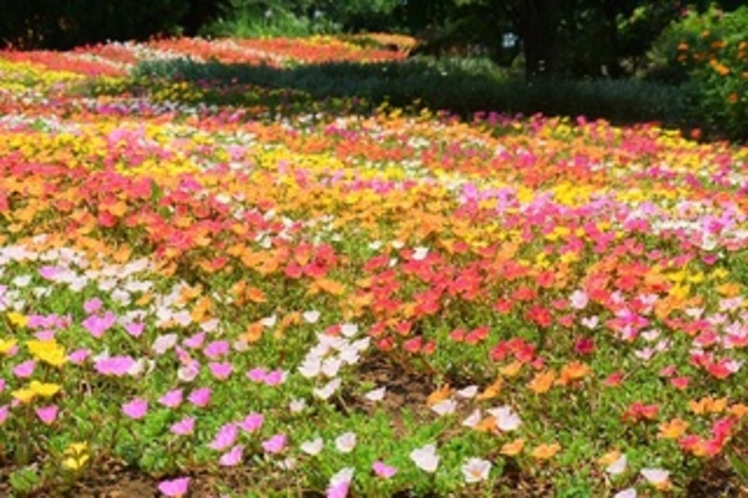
x=200, y=298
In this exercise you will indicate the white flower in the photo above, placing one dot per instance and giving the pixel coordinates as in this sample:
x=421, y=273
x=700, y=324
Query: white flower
x=328, y=389
x=444, y=407
x=346, y=442
x=617, y=467
x=163, y=343
x=344, y=475
x=626, y=493
x=313, y=447
x=420, y=253
x=311, y=316
x=331, y=366
x=468, y=392
x=656, y=477
x=269, y=321
x=476, y=470
x=311, y=367
x=297, y=405
x=506, y=418
x=472, y=419
x=376, y=394
x=426, y=458
x=349, y=329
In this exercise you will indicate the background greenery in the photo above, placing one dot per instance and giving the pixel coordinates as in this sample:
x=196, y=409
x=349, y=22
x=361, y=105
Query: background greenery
x=600, y=58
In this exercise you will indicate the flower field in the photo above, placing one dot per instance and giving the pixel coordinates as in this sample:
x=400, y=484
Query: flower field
x=215, y=300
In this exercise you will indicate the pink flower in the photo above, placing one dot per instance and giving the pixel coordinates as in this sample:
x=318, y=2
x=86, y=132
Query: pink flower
x=4, y=412
x=115, y=365
x=275, y=444
x=340, y=483
x=79, y=356
x=232, y=457
x=47, y=414
x=381, y=469
x=92, y=305
x=135, y=409
x=135, y=329
x=196, y=341
x=184, y=427
x=171, y=399
x=200, y=397
x=275, y=377
x=216, y=349
x=97, y=325
x=221, y=371
x=175, y=487
x=25, y=369
x=225, y=437
x=257, y=374
x=252, y=422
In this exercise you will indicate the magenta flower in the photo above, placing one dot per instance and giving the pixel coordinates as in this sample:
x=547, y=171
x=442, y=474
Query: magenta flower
x=275, y=444
x=92, y=305
x=221, y=371
x=47, y=414
x=216, y=349
x=225, y=437
x=114, y=365
x=135, y=409
x=79, y=356
x=176, y=487
x=200, y=397
x=97, y=325
x=135, y=329
x=25, y=369
x=184, y=427
x=274, y=378
x=172, y=399
x=232, y=457
x=196, y=341
x=252, y=422
x=257, y=374
x=381, y=469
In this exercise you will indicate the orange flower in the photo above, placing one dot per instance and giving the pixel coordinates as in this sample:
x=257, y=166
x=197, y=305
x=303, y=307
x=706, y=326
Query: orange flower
x=513, y=448
x=491, y=391
x=511, y=370
x=545, y=451
x=439, y=395
x=708, y=405
x=542, y=382
x=673, y=429
x=739, y=410
x=573, y=371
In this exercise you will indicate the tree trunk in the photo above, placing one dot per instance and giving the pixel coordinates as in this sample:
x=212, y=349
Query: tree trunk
x=537, y=26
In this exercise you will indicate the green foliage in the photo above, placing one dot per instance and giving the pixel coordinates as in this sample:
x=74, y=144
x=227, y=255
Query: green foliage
x=247, y=18
x=710, y=51
x=463, y=86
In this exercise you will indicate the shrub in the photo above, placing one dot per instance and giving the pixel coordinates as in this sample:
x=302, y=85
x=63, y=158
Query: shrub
x=710, y=51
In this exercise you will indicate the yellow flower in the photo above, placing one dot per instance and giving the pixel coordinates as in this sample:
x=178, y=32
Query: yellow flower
x=76, y=456
x=24, y=395
x=6, y=345
x=18, y=319
x=44, y=389
x=47, y=351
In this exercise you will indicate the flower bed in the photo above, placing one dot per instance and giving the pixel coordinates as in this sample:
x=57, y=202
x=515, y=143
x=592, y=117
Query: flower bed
x=361, y=305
